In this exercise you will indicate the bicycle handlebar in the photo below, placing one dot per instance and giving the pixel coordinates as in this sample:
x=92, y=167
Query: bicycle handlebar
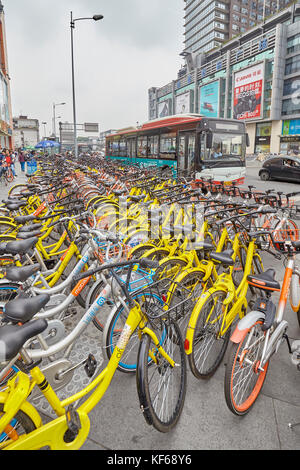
x=143, y=262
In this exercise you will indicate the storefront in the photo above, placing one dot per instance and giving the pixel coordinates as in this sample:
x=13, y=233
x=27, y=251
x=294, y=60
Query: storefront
x=290, y=138
x=263, y=137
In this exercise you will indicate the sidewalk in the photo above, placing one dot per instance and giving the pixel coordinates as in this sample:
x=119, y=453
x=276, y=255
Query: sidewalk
x=206, y=422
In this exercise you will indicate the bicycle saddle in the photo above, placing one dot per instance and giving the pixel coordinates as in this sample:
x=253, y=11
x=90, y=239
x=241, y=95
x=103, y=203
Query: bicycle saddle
x=225, y=257
x=31, y=228
x=22, y=310
x=206, y=246
x=21, y=246
x=265, y=280
x=22, y=219
x=26, y=235
x=14, y=202
x=22, y=273
x=13, y=337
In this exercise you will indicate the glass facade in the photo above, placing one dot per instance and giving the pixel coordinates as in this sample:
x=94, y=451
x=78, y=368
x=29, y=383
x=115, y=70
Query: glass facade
x=261, y=49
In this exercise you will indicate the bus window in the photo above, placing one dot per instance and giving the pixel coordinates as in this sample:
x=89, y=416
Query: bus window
x=181, y=152
x=153, y=146
x=229, y=146
x=109, y=148
x=122, y=148
x=115, y=149
x=142, y=146
x=131, y=147
x=168, y=146
x=191, y=151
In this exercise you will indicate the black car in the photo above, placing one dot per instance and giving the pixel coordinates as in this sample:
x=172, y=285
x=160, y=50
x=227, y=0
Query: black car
x=281, y=168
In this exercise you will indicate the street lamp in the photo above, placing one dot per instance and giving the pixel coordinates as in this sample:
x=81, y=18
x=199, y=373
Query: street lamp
x=44, y=129
x=72, y=25
x=54, y=118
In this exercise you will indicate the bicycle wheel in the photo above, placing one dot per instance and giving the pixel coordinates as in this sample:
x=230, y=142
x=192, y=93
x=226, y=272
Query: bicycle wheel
x=9, y=175
x=17, y=189
x=8, y=291
x=100, y=319
x=161, y=387
x=243, y=378
x=168, y=270
x=115, y=327
x=20, y=424
x=184, y=291
x=208, y=346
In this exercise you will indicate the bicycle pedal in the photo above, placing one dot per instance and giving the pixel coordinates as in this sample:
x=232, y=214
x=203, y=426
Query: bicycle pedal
x=90, y=366
x=73, y=423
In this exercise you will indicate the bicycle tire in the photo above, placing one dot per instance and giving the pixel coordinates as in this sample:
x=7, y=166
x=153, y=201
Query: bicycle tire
x=113, y=330
x=237, y=368
x=99, y=320
x=8, y=291
x=149, y=392
x=17, y=189
x=9, y=176
x=208, y=348
x=20, y=419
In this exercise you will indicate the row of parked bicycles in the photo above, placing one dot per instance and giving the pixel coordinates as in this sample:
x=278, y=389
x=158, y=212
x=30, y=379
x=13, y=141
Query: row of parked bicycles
x=170, y=271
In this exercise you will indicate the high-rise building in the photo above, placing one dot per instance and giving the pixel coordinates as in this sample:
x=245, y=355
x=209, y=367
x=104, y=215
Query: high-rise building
x=210, y=23
x=265, y=62
x=6, y=124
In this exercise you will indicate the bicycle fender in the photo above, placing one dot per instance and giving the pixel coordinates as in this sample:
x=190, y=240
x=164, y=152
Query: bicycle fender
x=193, y=320
x=245, y=324
x=294, y=293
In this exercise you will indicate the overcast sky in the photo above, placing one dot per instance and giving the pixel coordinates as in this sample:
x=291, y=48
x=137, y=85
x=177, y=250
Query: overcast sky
x=136, y=46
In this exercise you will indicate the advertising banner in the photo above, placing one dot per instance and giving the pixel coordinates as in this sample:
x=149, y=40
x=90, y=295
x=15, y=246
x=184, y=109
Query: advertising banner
x=182, y=104
x=164, y=108
x=209, y=99
x=291, y=127
x=247, y=95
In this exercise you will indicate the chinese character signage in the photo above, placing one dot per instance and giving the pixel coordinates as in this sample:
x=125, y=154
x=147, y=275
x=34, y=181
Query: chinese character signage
x=247, y=95
x=209, y=99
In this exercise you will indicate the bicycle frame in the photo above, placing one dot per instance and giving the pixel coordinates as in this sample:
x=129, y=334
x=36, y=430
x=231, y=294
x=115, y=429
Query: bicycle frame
x=235, y=296
x=52, y=434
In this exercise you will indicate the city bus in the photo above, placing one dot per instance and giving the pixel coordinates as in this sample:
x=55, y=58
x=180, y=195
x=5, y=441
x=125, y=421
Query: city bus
x=191, y=144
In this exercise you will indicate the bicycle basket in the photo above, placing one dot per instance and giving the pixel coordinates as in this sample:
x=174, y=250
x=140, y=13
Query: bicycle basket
x=282, y=237
x=159, y=303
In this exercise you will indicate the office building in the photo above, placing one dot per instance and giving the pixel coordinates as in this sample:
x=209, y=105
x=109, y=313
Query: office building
x=210, y=23
x=254, y=77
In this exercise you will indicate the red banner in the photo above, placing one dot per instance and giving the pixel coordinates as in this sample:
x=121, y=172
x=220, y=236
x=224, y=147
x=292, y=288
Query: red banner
x=248, y=90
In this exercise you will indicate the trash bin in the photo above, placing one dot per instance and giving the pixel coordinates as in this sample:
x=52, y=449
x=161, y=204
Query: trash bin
x=31, y=166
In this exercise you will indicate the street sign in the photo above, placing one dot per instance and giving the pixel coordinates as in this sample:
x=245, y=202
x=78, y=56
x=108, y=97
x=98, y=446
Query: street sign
x=91, y=127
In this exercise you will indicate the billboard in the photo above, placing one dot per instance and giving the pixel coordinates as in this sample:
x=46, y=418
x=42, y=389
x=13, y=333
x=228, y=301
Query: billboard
x=291, y=127
x=182, y=104
x=247, y=94
x=164, y=108
x=209, y=99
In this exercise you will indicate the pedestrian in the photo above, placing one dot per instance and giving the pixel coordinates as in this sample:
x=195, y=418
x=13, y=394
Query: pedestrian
x=22, y=161
x=13, y=161
x=2, y=161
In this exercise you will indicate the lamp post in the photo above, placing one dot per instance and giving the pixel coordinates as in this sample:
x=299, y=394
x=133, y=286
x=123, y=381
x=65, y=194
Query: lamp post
x=54, y=118
x=44, y=123
x=72, y=25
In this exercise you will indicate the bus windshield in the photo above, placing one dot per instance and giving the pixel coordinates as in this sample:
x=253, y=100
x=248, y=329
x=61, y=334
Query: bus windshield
x=226, y=146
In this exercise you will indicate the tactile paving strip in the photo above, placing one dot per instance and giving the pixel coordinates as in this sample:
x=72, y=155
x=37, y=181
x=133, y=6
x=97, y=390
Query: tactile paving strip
x=89, y=342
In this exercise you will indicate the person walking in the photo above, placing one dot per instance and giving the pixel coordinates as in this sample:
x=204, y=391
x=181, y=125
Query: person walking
x=22, y=161
x=13, y=161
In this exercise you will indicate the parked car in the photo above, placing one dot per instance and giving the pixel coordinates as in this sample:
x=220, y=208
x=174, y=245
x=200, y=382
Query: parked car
x=281, y=168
